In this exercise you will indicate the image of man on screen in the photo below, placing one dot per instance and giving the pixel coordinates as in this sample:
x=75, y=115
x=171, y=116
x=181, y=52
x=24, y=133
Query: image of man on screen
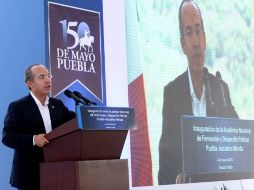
x=26, y=123
x=195, y=92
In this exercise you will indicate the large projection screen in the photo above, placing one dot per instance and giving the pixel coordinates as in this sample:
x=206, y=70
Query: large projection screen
x=154, y=51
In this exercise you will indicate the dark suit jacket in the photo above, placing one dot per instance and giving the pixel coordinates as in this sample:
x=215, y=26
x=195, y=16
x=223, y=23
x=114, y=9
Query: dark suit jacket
x=22, y=121
x=177, y=102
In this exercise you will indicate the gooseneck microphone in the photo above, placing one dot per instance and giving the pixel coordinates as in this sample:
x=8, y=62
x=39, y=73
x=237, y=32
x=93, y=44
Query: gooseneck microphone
x=218, y=76
x=208, y=87
x=77, y=100
x=86, y=100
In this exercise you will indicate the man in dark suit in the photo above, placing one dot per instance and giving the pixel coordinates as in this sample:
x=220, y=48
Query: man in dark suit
x=187, y=94
x=26, y=123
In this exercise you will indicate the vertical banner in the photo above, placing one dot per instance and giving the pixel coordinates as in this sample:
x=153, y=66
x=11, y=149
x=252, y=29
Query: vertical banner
x=76, y=51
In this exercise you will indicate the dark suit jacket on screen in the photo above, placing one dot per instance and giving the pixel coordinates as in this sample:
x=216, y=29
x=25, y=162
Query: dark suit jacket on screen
x=177, y=102
x=22, y=121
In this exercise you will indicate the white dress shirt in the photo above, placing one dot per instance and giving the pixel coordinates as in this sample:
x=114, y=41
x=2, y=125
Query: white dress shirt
x=198, y=106
x=44, y=110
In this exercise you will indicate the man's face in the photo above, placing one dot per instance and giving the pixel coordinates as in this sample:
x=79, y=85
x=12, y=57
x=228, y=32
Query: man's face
x=40, y=85
x=193, y=39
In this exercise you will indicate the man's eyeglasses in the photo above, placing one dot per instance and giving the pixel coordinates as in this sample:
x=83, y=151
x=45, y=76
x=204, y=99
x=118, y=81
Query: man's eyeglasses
x=43, y=77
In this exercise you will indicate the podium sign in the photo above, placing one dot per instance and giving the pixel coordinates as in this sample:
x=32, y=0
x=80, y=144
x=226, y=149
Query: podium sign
x=105, y=118
x=217, y=145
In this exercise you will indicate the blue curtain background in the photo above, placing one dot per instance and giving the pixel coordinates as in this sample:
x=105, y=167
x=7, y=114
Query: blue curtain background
x=22, y=43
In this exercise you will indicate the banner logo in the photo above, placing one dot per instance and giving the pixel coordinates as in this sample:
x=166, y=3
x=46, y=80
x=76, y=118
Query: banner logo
x=76, y=52
x=73, y=58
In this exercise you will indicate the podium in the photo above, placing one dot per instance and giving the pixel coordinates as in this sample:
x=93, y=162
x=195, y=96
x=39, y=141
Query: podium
x=84, y=153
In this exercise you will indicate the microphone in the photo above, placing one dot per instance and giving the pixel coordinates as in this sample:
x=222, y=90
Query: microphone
x=69, y=94
x=86, y=101
x=218, y=76
x=208, y=87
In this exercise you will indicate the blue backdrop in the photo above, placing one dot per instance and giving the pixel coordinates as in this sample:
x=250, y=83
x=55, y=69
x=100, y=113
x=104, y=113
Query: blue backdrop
x=22, y=43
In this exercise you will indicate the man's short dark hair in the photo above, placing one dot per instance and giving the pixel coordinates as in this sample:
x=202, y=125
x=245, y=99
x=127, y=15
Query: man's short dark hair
x=28, y=73
x=180, y=15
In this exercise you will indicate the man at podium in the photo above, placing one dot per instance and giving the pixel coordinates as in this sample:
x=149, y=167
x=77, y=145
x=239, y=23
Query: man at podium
x=195, y=92
x=26, y=123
